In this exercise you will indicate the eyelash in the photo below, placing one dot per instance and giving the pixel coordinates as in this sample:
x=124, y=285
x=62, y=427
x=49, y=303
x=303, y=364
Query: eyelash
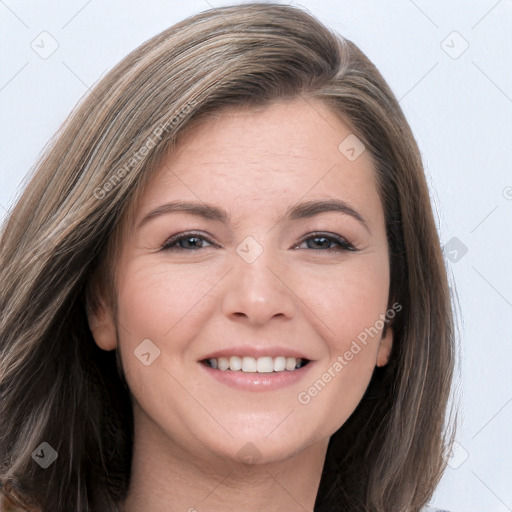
x=170, y=243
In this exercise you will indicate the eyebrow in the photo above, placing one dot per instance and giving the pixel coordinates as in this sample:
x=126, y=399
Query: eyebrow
x=303, y=210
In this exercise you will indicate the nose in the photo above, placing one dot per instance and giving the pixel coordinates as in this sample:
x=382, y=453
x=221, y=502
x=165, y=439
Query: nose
x=259, y=291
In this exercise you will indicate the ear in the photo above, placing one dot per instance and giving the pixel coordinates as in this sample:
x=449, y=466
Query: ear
x=385, y=346
x=100, y=318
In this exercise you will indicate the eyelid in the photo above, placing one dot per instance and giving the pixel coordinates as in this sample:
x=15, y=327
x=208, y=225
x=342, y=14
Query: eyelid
x=186, y=234
x=343, y=243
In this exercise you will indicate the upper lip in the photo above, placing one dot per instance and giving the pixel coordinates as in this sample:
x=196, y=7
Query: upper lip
x=256, y=351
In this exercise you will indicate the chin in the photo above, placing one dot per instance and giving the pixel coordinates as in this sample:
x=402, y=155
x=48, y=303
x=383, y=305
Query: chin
x=261, y=449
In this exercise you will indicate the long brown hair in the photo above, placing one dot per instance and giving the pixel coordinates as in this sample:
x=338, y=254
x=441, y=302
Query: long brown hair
x=58, y=387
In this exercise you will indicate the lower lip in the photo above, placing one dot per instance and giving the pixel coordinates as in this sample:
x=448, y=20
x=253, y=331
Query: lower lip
x=258, y=381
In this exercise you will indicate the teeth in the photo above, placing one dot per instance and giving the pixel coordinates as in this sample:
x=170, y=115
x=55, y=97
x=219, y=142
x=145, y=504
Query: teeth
x=264, y=364
x=290, y=363
x=260, y=365
x=249, y=364
x=235, y=363
x=279, y=364
x=222, y=363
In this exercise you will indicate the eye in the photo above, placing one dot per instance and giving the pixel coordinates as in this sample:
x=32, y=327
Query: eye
x=184, y=241
x=324, y=240
x=192, y=241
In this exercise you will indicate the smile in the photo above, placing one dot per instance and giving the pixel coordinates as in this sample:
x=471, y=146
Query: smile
x=265, y=364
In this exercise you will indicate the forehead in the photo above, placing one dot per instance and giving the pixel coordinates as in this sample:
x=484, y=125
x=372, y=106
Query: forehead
x=263, y=159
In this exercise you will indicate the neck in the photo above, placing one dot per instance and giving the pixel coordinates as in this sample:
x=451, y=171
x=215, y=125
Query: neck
x=165, y=477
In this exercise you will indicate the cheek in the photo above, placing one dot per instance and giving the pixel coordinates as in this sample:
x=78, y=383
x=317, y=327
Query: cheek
x=350, y=307
x=352, y=303
x=163, y=305
x=154, y=299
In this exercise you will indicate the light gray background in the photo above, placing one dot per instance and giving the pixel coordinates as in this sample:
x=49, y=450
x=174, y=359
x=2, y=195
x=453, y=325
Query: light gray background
x=458, y=102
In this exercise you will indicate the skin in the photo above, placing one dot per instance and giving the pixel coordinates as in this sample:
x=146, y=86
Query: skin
x=300, y=292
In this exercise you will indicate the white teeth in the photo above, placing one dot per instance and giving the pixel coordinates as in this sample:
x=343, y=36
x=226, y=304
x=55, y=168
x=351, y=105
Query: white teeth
x=290, y=363
x=249, y=364
x=265, y=364
x=235, y=363
x=260, y=365
x=222, y=363
x=279, y=364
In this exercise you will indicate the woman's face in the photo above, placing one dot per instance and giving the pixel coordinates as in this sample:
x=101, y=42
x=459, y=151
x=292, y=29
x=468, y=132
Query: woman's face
x=258, y=276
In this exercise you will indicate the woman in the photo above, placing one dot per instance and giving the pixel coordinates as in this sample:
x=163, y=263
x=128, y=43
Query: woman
x=223, y=286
